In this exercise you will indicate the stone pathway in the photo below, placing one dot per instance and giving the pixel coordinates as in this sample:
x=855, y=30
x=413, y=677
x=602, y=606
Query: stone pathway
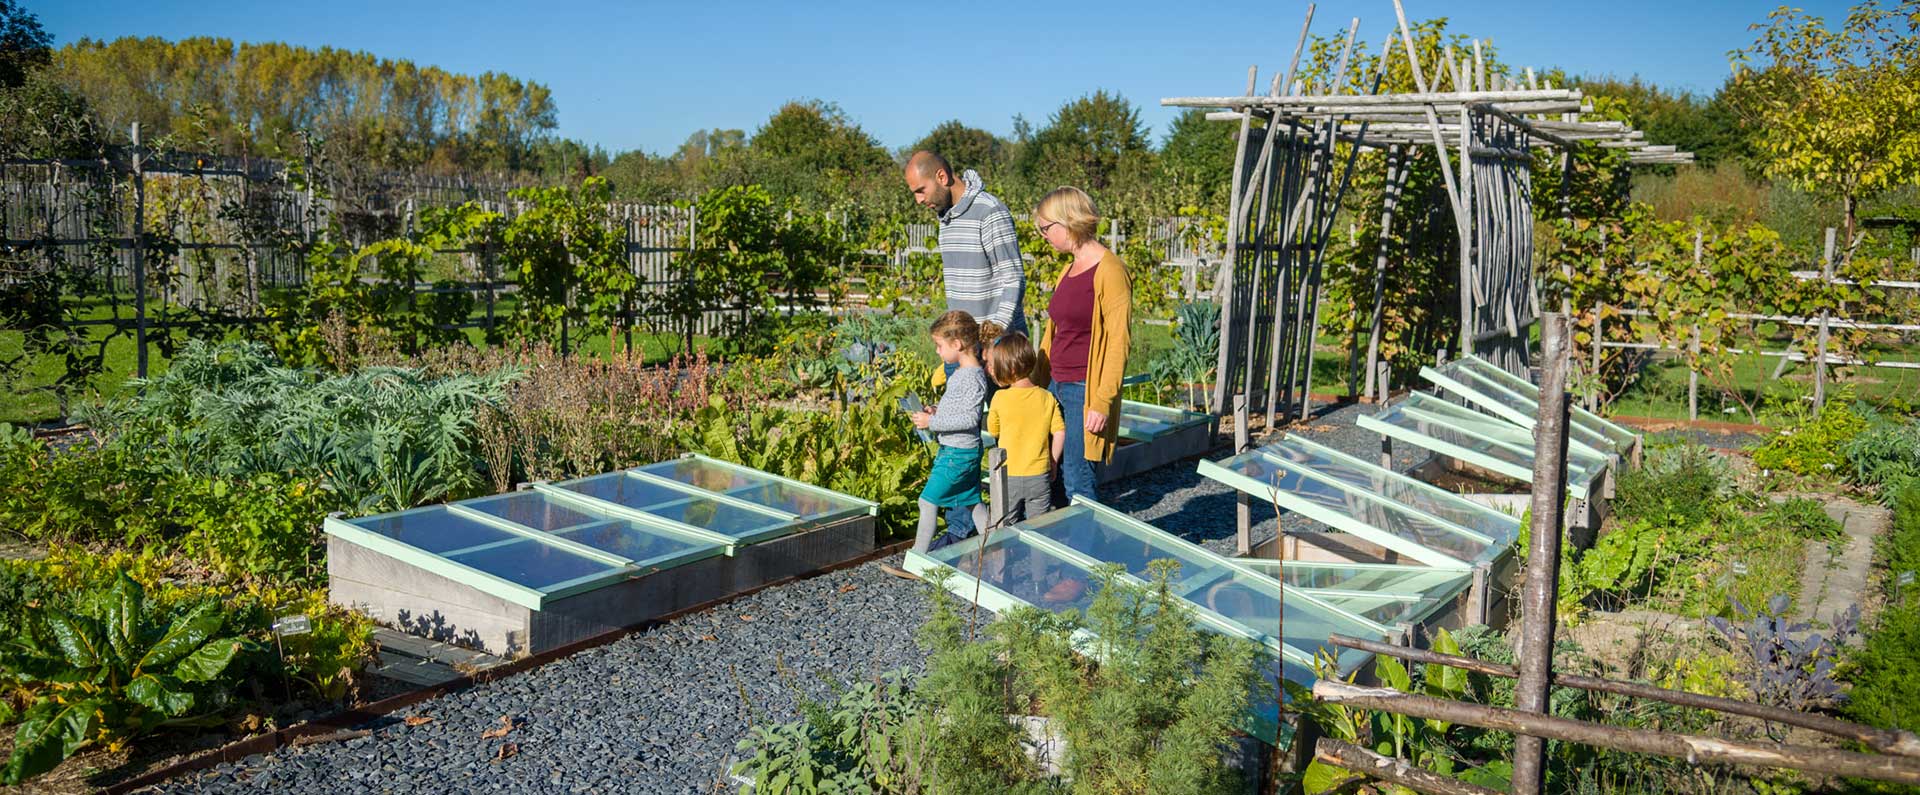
x=1834, y=580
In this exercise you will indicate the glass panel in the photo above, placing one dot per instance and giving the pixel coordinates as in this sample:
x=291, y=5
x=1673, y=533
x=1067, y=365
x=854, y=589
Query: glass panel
x=1026, y=572
x=433, y=529
x=532, y=509
x=1522, y=408
x=1141, y=427
x=1621, y=437
x=1248, y=600
x=1474, y=431
x=632, y=541
x=1362, y=506
x=793, y=499
x=531, y=563
x=1399, y=488
x=667, y=502
x=703, y=474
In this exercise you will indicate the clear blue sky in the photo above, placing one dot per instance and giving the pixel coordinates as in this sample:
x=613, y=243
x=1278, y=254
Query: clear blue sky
x=645, y=75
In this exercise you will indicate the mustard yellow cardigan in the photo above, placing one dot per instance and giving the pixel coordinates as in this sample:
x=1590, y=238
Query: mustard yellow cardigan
x=1106, y=351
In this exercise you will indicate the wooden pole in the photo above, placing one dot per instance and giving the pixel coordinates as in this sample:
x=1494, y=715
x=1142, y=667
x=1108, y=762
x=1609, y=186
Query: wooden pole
x=1826, y=314
x=1693, y=347
x=1535, y=648
x=1243, y=507
x=140, y=256
x=1599, y=336
x=1692, y=748
x=1887, y=741
x=1464, y=219
x=1394, y=771
x=1226, y=284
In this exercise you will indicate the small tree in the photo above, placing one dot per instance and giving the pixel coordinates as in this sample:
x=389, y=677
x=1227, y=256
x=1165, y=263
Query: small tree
x=1836, y=113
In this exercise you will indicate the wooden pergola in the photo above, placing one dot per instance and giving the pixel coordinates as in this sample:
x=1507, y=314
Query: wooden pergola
x=1291, y=173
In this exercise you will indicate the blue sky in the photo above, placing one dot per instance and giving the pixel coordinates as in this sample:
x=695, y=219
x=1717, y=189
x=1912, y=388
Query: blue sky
x=645, y=75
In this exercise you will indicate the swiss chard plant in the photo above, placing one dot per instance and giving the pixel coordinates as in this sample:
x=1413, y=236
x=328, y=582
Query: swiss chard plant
x=113, y=672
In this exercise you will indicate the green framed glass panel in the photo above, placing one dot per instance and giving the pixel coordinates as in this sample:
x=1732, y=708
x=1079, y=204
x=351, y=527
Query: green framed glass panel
x=646, y=546
x=1477, y=388
x=531, y=509
x=434, y=529
x=1384, y=592
x=1350, y=509
x=1477, y=439
x=1622, y=437
x=1146, y=421
x=1322, y=461
x=658, y=499
x=1032, y=574
x=531, y=563
x=759, y=488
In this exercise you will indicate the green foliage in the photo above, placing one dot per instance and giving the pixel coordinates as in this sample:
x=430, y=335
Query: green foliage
x=1150, y=711
x=1884, y=456
x=119, y=670
x=258, y=97
x=1193, y=357
x=569, y=260
x=752, y=256
x=1885, y=668
x=384, y=438
x=1801, y=518
x=1814, y=448
x=1684, y=484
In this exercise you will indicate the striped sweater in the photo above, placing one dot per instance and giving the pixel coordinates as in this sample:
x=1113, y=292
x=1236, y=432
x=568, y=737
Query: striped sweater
x=980, y=258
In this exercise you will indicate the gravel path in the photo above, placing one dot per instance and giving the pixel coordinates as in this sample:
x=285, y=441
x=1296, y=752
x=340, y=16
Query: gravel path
x=661, y=710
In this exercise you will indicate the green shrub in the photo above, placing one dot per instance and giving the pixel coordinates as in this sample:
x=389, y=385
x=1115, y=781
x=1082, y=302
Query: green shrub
x=1150, y=708
x=1885, y=669
x=1683, y=484
x=1884, y=455
x=1814, y=448
x=1806, y=519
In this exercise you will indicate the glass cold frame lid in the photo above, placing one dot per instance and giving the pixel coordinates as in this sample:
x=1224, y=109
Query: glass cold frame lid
x=532, y=509
x=1500, y=397
x=1477, y=439
x=1076, y=538
x=1145, y=421
x=646, y=546
x=1618, y=435
x=1415, y=519
x=519, y=558
x=754, y=487
x=626, y=490
x=1386, y=593
x=434, y=528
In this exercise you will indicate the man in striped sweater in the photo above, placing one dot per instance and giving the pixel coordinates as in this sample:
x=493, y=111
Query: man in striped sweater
x=979, y=252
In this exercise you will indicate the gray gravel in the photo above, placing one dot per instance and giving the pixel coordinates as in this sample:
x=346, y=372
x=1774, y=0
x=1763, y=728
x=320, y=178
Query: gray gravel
x=661, y=710
x=657, y=711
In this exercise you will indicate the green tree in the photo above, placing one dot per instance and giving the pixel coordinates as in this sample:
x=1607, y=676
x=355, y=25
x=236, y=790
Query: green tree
x=1835, y=112
x=965, y=147
x=807, y=149
x=1092, y=142
x=24, y=46
x=1196, y=160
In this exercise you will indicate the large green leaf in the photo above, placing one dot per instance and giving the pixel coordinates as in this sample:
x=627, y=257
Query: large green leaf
x=206, y=662
x=184, y=635
x=123, y=617
x=50, y=733
x=79, y=639
x=1497, y=775
x=163, y=694
x=1322, y=777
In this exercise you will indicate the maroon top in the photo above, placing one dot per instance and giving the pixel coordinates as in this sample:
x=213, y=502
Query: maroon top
x=1071, y=310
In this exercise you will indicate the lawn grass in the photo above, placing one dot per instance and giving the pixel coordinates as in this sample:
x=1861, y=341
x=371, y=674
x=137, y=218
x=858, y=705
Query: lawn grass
x=1661, y=390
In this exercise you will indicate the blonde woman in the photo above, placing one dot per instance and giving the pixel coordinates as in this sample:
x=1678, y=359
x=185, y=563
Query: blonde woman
x=1083, y=352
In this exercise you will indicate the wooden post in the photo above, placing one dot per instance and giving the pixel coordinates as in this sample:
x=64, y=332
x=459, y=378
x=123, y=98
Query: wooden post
x=1693, y=348
x=1225, y=283
x=1391, y=770
x=1826, y=314
x=1243, y=508
x=1535, y=648
x=1396, y=177
x=996, y=486
x=1465, y=216
x=140, y=256
x=1599, y=337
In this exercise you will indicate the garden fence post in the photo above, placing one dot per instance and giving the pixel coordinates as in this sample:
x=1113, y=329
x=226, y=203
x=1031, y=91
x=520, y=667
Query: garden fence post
x=1693, y=348
x=139, y=256
x=1599, y=336
x=1535, y=648
x=1243, y=507
x=1820, y=347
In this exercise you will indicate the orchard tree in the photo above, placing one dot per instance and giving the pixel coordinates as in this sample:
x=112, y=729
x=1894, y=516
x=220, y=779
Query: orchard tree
x=1835, y=112
x=1197, y=159
x=965, y=147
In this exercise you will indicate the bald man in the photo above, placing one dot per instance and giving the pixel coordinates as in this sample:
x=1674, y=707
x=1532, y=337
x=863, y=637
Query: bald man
x=979, y=251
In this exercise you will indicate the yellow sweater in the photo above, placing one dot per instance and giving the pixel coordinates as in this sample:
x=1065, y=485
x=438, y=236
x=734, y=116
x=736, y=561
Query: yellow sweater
x=1107, y=350
x=1024, y=419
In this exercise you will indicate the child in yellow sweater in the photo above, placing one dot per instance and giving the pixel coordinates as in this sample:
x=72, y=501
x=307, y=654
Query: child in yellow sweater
x=1026, y=420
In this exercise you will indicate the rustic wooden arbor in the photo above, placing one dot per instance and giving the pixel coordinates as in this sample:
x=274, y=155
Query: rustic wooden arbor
x=1292, y=170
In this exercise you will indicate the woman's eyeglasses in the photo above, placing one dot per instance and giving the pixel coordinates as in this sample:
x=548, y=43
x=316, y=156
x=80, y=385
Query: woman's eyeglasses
x=1046, y=226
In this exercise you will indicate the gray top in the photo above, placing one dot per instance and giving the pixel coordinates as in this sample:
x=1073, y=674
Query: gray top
x=980, y=258
x=957, y=417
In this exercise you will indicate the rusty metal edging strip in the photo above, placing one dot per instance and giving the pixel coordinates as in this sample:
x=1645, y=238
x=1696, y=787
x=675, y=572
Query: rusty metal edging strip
x=281, y=738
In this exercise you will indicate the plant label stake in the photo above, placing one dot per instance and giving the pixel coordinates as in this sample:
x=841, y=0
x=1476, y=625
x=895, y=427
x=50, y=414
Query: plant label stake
x=292, y=625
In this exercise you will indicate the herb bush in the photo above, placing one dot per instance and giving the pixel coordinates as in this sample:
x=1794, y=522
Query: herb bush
x=1814, y=448
x=1150, y=708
